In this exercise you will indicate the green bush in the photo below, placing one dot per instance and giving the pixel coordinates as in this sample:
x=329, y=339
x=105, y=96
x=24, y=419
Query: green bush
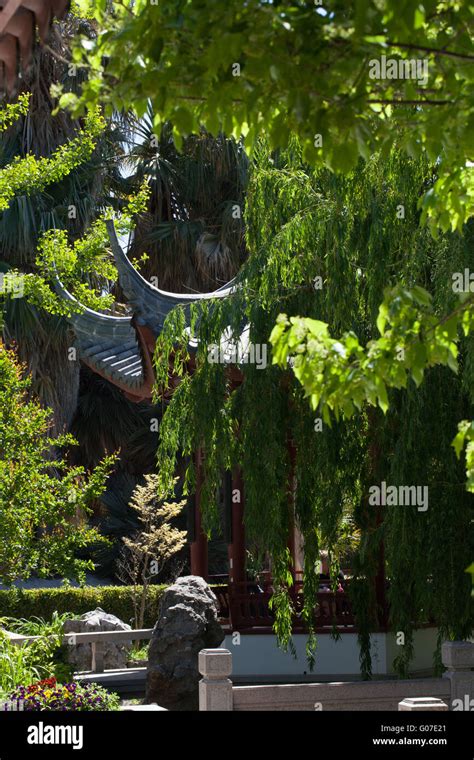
x=116, y=600
x=45, y=658
x=17, y=665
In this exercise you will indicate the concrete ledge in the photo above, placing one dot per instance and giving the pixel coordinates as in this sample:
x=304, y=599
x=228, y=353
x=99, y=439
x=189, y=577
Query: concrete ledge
x=130, y=682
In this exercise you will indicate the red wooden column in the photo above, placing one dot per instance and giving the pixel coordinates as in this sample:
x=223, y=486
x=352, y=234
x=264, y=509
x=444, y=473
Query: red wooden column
x=199, y=558
x=237, y=546
x=380, y=580
x=292, y=537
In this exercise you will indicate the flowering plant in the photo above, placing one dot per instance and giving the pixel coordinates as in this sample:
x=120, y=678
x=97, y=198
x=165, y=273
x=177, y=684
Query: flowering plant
x=46, y=683
x=51, y=695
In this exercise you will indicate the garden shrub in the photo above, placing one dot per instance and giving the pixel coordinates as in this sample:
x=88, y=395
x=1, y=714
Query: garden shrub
x=44, y=658
x=115, y=600
x=18, y=665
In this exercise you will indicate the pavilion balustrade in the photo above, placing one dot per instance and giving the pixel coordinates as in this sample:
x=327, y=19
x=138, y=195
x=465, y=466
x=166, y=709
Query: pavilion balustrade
x=245, y=606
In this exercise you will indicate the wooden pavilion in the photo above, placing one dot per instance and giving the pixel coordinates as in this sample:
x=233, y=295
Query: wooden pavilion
x=120, y=349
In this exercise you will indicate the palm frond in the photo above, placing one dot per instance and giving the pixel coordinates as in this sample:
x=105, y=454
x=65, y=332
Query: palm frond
x=193, y=236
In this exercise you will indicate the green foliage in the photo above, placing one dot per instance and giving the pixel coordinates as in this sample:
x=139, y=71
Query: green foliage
x=140, y=652
x=13, y=111
x=71, y=203
x=23, y=665
x=340, y=375
x=46, y=656
x=48, y=602
x=17, y=665
x=29, y=174
x=84, y=267
x=36, y=626
x=328, y=247
x=296, y=68
x=470, y=570
x=88, y=258
x=43, y=501
x=465, y=437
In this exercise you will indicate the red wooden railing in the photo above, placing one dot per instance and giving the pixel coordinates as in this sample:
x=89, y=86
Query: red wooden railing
x=245, y=606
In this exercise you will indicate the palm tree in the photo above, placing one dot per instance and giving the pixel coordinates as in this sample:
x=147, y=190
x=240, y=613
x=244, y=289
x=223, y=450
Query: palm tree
x=43, y=340
x=193, y=230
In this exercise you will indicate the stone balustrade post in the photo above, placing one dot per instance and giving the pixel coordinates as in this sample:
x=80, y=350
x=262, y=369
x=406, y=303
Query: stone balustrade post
x=98, y=657
x=415, y=704
x=458, y=658
x=215, y=688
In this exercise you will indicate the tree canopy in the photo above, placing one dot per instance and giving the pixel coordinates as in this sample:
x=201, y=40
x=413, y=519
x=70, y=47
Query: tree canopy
x=327, y=247
x=347, y=79
x=44, y=503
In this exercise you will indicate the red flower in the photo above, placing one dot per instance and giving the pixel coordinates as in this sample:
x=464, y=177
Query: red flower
x=46, y=683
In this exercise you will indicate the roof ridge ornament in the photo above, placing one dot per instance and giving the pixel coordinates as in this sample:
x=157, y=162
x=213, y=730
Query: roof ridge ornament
x=126, y=267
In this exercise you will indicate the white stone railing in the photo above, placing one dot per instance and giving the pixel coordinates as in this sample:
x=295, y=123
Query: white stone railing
x=454, y=690
x=97, y=639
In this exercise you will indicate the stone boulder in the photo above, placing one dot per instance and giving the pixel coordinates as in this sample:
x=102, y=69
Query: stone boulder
x=80, y=655
x=187, y=622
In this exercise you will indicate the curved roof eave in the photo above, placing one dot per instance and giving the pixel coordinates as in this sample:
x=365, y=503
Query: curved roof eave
x=91, y=323
x=150, y=304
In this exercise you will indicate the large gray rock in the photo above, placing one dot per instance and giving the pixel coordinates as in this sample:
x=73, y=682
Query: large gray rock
x=80, y=655
x=187, y=623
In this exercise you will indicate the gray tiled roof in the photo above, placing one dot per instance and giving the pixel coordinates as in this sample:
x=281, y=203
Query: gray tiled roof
x=107, y=344
x=110, y=345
